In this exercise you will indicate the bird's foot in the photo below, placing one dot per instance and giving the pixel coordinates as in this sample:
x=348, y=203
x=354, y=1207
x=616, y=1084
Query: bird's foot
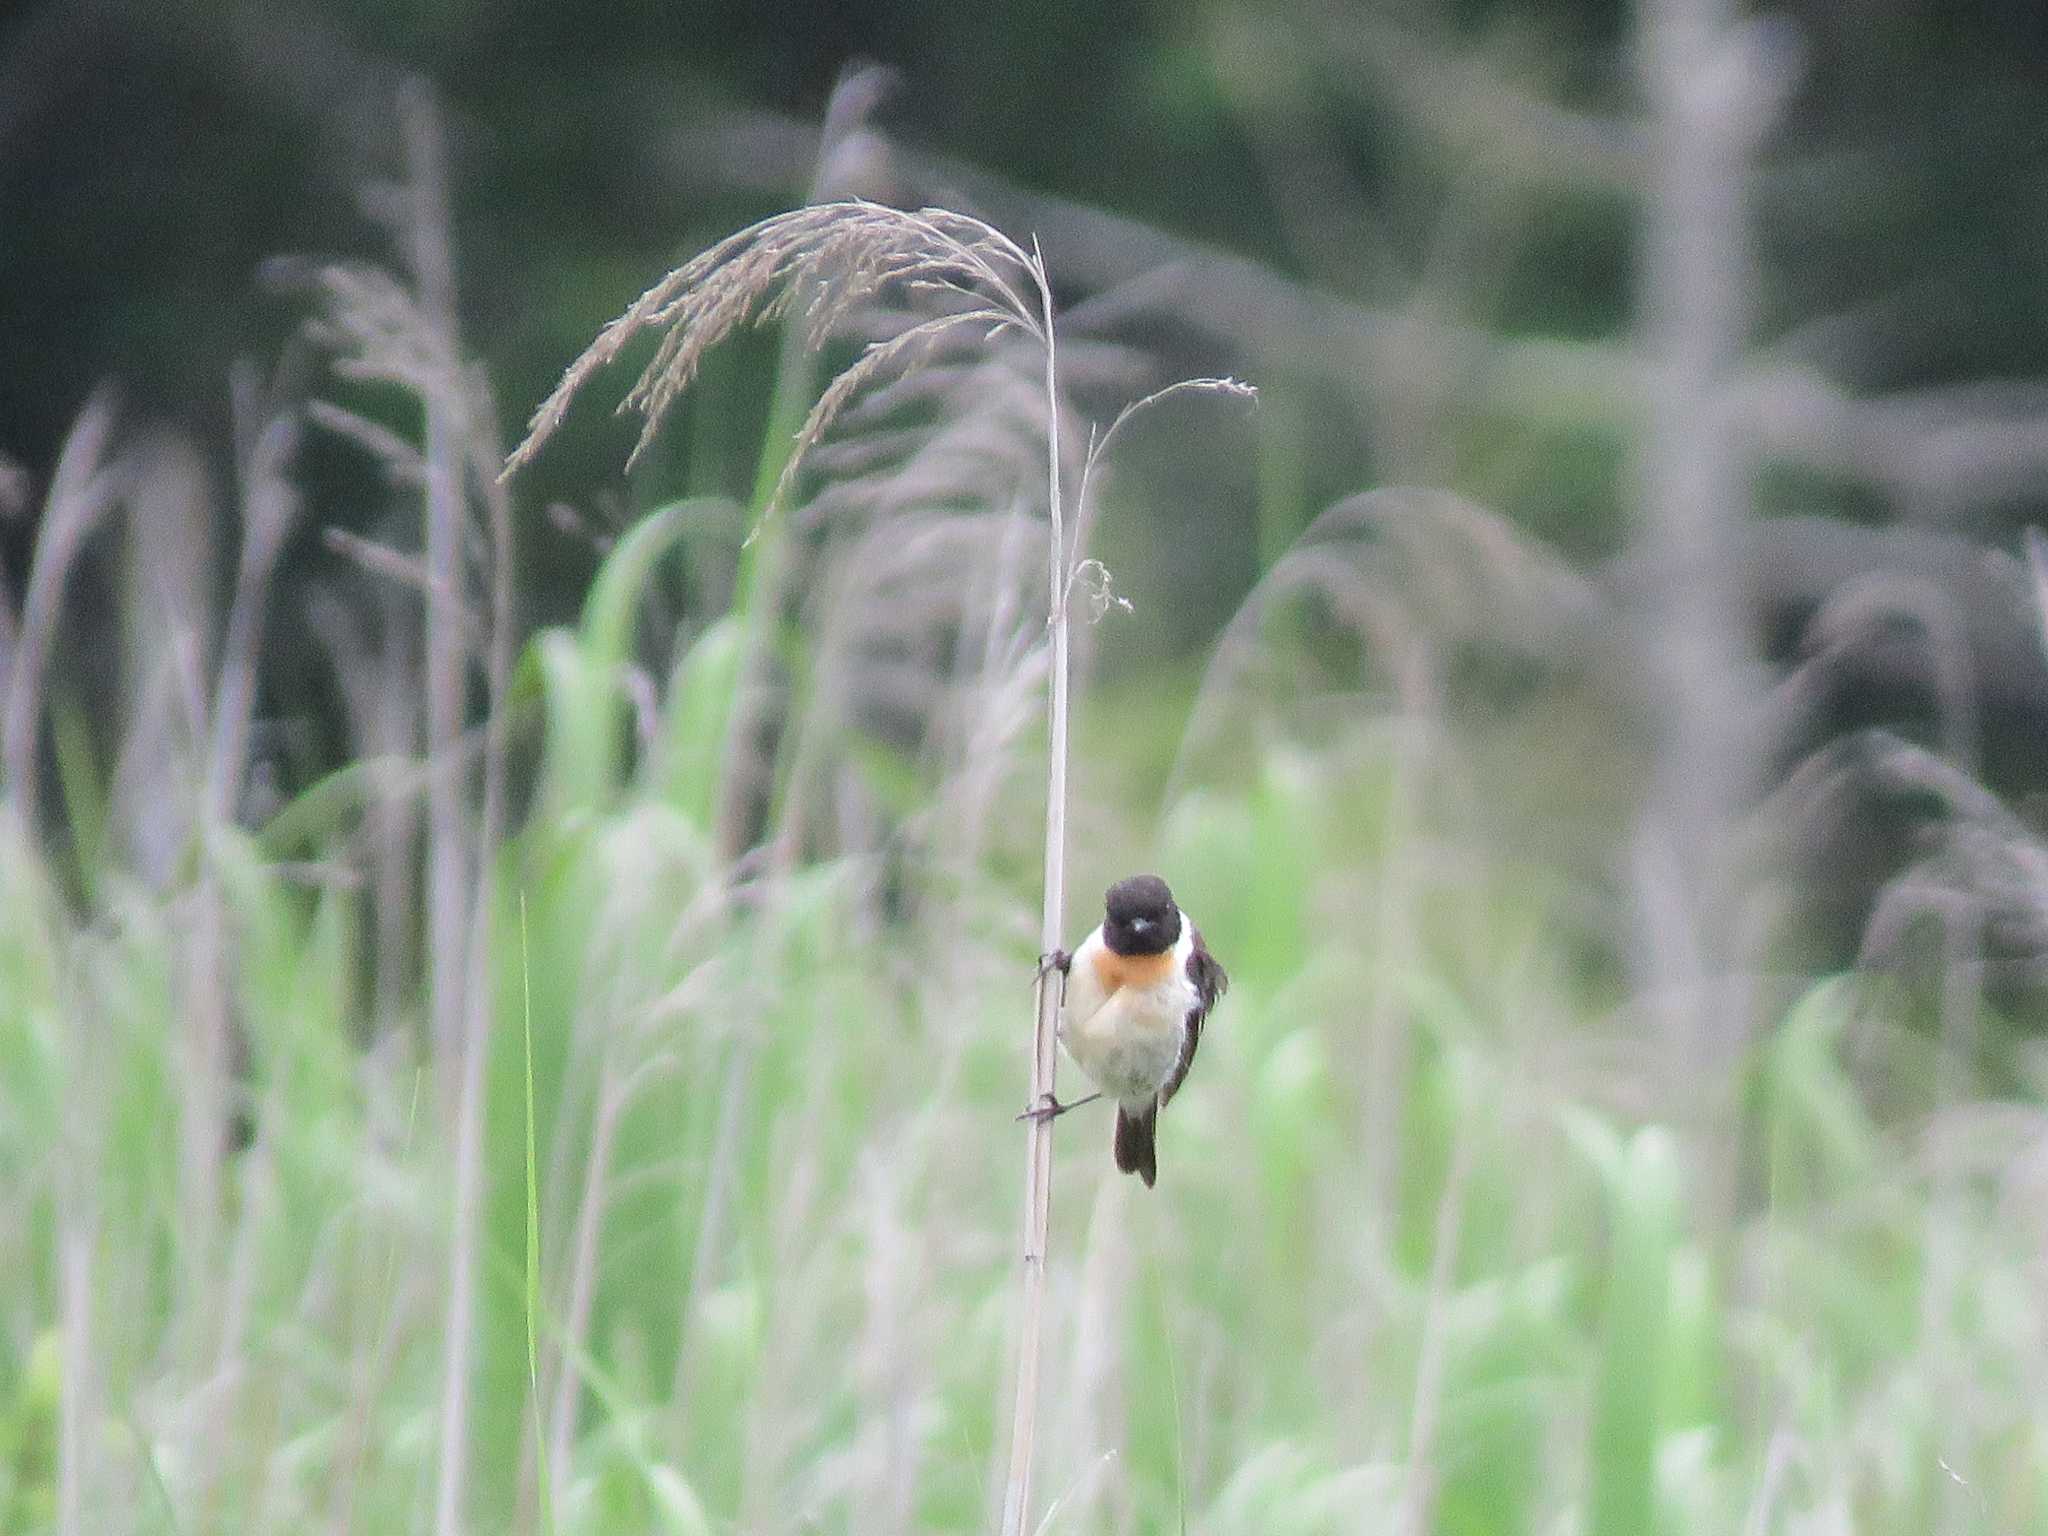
x=1054, y=960
x=1050, y=1108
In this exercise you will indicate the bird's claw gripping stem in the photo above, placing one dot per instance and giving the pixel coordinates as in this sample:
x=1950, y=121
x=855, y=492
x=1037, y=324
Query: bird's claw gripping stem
x=1050, y=1108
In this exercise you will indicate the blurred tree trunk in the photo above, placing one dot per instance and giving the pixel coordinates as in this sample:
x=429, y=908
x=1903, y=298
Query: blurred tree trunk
x=1703, y=75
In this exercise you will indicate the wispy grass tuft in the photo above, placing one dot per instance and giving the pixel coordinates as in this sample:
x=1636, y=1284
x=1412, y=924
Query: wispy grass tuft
x=816, y=266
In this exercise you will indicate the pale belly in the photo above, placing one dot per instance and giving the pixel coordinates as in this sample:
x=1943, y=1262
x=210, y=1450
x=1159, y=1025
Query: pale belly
x=1129, y=1044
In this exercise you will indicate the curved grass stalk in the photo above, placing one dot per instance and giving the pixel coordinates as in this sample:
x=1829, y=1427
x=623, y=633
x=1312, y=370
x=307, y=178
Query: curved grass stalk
x=818, y=265
x=824, y=260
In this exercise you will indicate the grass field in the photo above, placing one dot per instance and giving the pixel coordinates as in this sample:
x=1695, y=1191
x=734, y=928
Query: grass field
x=602, y=1120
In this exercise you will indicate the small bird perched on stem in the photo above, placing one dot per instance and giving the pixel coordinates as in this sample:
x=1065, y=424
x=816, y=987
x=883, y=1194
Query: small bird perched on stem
x=1136, y=994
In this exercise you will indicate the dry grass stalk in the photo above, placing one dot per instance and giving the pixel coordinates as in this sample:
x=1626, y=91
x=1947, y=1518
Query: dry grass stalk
x=825, y=266
x=826, y=260
x=85, y=486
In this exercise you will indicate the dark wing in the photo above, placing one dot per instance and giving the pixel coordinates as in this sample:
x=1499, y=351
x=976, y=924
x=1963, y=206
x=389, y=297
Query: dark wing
x=1206, y=973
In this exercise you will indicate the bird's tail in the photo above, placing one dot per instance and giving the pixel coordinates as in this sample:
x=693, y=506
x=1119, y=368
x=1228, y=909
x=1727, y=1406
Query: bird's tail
x=1136, y=1150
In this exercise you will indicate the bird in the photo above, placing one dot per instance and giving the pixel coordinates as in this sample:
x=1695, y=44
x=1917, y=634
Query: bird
x=1133, y=1001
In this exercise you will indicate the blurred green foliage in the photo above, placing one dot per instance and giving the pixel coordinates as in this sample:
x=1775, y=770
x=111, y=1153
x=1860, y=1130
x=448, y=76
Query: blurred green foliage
x=1506, y=1309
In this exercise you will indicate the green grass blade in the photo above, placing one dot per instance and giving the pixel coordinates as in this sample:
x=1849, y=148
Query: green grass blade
x=1628, y=1391
x=540, y=1441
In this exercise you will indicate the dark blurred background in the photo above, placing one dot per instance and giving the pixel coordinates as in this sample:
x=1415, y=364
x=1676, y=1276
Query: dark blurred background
x=153, y=156
x=1417, y=223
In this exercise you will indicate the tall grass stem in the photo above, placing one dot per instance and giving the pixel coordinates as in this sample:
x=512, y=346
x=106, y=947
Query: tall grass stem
x=1045, y=1037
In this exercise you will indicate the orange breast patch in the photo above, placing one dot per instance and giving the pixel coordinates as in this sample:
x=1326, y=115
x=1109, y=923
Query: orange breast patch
x=1115, y=971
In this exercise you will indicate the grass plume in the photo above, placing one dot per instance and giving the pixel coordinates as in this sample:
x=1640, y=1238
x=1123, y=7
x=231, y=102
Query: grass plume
x=814, y=266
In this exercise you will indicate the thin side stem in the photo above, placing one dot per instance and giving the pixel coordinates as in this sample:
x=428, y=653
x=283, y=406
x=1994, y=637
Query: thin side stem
x=1045, y=1039
x=1098, y=447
